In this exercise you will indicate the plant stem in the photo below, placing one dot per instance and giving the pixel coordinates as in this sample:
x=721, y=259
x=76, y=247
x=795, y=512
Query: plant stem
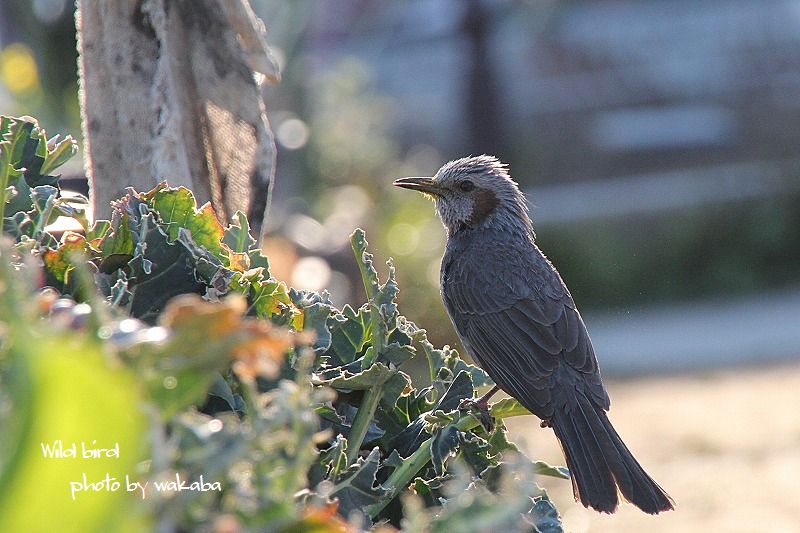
x=403, y=474
x=99, y=312
x=363, y=258
x=5, y=165
x=372, y=396
x=378, y=332
x=361, y=423
x=44, y=216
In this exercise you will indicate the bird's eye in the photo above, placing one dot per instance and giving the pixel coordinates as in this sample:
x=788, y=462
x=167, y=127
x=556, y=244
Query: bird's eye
x=466, y=185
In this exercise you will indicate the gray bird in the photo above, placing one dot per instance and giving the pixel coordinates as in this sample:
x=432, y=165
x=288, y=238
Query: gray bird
x=516, y=318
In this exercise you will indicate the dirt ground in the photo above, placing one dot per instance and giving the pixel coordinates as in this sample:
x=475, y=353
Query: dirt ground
x=724, y=444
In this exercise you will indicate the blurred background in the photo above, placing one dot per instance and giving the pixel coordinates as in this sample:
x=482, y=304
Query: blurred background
x=659, y=145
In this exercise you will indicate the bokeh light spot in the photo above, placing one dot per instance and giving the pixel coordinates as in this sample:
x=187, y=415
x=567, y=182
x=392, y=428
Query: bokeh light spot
x=49, y=11
x=311, y=274
x=18, y=69
x=306, y=232
x=292, y=133
x=403, y=238
x=340, y=289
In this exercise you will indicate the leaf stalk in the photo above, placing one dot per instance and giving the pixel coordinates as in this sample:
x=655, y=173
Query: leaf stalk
x=364, y=416
x=403, y=474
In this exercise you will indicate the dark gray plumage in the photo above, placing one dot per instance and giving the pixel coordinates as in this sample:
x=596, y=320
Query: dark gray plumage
x=517, y=319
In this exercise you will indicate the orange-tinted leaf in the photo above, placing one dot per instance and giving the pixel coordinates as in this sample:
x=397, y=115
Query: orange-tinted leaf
x=322, y=519
x=190, y=312
x=261, y=351
x=58, y=261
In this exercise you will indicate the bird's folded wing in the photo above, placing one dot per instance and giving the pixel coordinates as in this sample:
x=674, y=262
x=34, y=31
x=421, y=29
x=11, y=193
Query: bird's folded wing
x=522, y=333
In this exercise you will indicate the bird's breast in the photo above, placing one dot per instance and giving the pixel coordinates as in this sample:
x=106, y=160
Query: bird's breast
x=498, y=265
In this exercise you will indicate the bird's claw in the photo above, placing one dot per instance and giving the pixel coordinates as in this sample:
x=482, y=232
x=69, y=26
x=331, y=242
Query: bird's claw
x=469, y=403
x=545, y=424
x=481, y=409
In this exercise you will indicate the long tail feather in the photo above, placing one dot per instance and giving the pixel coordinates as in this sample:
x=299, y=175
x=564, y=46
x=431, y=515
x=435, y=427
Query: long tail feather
x=601, y=465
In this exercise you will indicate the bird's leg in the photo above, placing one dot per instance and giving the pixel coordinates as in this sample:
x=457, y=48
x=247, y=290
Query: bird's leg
x=482, y=406
x=483, y=401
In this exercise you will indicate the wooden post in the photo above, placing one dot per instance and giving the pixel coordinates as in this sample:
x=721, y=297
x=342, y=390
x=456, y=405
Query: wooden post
x=168, y=91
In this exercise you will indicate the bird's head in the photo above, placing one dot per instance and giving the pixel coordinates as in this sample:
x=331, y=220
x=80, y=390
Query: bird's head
x=471, y=192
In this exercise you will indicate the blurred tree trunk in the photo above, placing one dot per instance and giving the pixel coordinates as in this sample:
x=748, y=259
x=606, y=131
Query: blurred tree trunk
x=168, y=92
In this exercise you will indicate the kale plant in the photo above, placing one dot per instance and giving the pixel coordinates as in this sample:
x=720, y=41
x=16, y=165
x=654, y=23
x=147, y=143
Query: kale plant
x=165, y=330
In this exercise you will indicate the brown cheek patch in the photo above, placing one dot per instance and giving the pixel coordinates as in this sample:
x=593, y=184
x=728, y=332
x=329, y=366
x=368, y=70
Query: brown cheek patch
x=485, y=204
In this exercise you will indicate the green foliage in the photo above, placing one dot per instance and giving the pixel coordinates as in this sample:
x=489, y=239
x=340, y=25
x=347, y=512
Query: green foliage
x=29, y=199
x=57, y=385
x=299, y=410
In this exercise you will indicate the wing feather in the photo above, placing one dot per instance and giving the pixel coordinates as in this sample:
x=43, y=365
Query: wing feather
x=522, y=326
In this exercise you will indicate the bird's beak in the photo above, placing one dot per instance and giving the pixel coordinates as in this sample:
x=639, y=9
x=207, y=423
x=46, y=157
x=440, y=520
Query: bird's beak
x=423, y=185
